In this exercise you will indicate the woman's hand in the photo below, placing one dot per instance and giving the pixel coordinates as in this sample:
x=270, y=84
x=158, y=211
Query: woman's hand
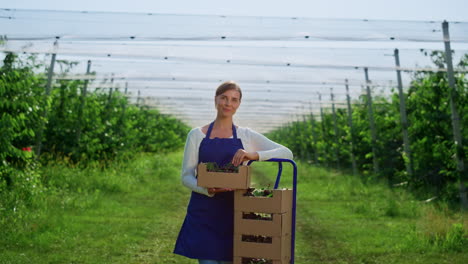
x=242, y=155
x=218, y=190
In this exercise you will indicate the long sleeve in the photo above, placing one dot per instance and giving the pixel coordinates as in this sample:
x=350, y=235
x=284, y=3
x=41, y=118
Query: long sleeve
x=190, y=162
x=251, y=140
x=266, y=148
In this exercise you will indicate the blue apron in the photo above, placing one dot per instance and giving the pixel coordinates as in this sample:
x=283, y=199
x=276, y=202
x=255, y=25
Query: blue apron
x=207, y=231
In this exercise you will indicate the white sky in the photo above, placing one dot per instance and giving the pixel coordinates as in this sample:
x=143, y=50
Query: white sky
x=438, y=10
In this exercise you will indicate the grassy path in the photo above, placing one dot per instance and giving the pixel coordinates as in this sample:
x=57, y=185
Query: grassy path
x=126, y=214
x=343, y=220
x=132, y=214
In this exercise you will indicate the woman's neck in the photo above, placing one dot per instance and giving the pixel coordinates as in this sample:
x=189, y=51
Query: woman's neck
x=223, y=123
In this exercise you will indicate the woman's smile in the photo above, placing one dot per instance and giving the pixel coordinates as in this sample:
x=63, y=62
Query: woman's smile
x=227, y=102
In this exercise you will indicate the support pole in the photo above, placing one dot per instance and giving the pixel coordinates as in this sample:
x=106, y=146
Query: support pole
x=47, y=93
x=82, y=105
x=321, y=114
x=299, y=133
x=314, y=135
x=403, y=117
x=304, y=123
x=122, y=116
x=110, y=89
x=138, y=99
x=322, y=123
x=371, y=123
x=335, y=129
x=351, y=130
x=459, y=155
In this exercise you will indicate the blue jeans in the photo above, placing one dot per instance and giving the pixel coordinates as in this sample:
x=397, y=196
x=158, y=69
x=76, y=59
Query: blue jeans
x=207, y=261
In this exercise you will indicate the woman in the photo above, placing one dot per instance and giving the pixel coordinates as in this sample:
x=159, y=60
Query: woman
x=207, y=231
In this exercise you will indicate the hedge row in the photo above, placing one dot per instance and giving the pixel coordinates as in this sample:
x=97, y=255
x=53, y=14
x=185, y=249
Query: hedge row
x=429, y=126
x=100, y=126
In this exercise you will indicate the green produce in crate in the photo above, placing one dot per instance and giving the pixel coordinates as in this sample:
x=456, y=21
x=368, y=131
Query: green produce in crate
x=256, y=261
x=257, y=239
x=229, y=168
x=257, y=216
x=259, y=192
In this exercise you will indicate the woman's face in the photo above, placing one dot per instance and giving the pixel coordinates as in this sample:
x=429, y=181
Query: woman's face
x=227, y=103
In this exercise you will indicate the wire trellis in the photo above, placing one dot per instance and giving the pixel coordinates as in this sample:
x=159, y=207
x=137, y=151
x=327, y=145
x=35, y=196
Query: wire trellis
x=284, y=65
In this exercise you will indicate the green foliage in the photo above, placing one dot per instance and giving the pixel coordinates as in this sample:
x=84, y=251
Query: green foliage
x=133, y=209
x=105, y=125
x=69, y=126
x=430, y=134
x=343, y=218
x=455, y=239
x=228, y=168
x=20, y=108
x=109, y=208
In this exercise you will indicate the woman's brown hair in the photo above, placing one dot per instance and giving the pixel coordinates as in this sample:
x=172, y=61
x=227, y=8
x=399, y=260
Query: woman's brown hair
x=229, y=85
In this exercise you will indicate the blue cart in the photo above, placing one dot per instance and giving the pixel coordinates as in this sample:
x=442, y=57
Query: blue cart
x=278, y=178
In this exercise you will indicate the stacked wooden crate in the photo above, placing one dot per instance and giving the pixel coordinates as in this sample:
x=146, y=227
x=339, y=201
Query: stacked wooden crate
x=212, y=179
x=262, y=227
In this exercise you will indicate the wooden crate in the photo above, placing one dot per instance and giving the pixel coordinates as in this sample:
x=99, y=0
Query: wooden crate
x=278, y=229
x=281, y=202
x=279, y=225
x=238, y=260
x=208, y=179
x=279, y=249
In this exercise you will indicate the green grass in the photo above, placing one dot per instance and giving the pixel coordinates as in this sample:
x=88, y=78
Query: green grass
x=131, y=215
x=132, y=212
x=341, y=219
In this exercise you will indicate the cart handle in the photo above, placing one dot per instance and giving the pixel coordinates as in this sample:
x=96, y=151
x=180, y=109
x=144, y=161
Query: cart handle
x=280, y=170
x=278, y=177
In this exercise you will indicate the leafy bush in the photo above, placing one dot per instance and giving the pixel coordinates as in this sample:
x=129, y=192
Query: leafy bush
x=79, y=129
x=430, y=134
x=102, y=125
x=20, y=111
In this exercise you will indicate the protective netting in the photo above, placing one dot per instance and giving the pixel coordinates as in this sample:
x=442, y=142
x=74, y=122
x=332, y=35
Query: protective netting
x=37, y=24
x=283, y=64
